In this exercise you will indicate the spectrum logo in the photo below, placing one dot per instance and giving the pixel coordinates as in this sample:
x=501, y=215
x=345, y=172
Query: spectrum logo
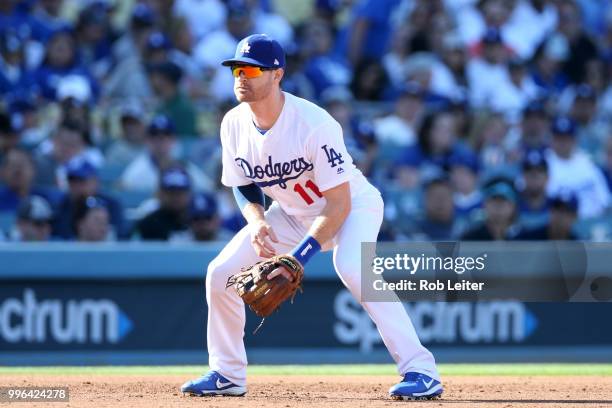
x=500, y=322
x=32, y=320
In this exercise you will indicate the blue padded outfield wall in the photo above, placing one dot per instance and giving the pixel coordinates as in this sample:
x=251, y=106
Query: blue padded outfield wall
x=144, y=304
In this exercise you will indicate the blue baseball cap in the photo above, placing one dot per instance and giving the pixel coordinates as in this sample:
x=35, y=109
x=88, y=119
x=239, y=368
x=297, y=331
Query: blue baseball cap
x=80, y=169
x=492, y=36
x=259, y=50
x=161, y=125
x=175, y=178
x=203, y=205
x=536, y=107
x=158, y=41
x=563, y=126
x=534, y=159
x=501, y=190
x=35, y=208
x=464, y=158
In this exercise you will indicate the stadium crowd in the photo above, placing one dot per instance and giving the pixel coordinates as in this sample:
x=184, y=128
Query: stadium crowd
x=477, y=119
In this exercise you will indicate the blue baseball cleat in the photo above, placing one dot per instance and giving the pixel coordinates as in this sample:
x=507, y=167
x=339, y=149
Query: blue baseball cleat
x=416, y=386
x=212, y=383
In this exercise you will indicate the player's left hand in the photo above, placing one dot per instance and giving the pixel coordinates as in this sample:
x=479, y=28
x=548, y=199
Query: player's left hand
x=281, y=270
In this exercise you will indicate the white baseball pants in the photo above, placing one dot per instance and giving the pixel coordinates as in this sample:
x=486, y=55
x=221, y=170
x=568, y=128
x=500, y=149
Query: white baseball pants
x=226, y=311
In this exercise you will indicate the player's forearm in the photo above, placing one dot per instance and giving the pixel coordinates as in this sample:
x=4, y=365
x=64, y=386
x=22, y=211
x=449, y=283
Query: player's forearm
x=328, y=223
x=250, y=200
x=253, y=213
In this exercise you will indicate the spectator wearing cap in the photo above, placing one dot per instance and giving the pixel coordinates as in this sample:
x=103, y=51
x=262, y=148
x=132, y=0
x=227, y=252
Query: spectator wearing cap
x=165, y=79
x=157, y=48
x=572, y=170
x=533, y=200
x=438, y=222
x=171, y=220
x=60, y=60
x=132, y=138
x=17, y=174
x=82, y=179
x=323, y=68
x=358, y=133
x=75, y=95
x=560, y=227
x=34, y=217
x=129, y=79
x=204, y=221
x=142, y=174
x=467, y=197
x=500, y=208
x=92, y=220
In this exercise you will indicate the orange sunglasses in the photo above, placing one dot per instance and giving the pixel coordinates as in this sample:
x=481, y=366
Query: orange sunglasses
x=250, y=71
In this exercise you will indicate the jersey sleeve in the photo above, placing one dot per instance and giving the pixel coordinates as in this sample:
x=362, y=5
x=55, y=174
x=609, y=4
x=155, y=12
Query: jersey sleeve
x=231, y=174
x=332, y=163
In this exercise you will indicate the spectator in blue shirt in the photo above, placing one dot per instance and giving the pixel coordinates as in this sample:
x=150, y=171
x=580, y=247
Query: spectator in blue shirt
x=323, y=68
x=61, y=60
x=370, y=29
x=82, y=183
x=46, y=19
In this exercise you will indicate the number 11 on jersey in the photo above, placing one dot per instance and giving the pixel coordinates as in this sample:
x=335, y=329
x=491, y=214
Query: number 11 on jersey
x=312, y=187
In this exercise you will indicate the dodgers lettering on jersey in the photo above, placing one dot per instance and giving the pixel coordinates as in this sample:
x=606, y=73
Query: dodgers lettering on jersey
x=302, y=156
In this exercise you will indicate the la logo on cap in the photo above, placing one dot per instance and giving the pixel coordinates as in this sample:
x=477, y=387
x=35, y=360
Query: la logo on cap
x=276, y=61
x=245, y=48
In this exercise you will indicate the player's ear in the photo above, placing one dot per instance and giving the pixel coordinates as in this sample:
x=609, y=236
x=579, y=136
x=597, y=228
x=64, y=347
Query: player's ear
x=278, y=74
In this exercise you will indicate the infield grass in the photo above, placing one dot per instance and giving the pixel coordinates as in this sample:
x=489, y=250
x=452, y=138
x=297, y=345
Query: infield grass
x=361, y=369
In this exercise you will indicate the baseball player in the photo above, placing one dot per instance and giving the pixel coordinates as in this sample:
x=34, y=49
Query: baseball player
x=293, y=151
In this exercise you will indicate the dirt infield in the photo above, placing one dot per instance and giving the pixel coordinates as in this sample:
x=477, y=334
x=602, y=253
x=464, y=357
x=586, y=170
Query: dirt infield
x=323, y=391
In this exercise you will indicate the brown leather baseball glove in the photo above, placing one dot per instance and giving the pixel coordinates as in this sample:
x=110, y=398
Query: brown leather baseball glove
x=262, y=295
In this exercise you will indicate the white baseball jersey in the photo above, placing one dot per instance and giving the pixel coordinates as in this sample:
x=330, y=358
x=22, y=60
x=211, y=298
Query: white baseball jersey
x=302, y=155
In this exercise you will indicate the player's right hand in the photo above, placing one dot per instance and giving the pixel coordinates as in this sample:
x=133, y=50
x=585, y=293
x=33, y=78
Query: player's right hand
x=261, y=235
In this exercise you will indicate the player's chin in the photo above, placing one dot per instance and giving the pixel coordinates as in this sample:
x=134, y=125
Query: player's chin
x=243, y=95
